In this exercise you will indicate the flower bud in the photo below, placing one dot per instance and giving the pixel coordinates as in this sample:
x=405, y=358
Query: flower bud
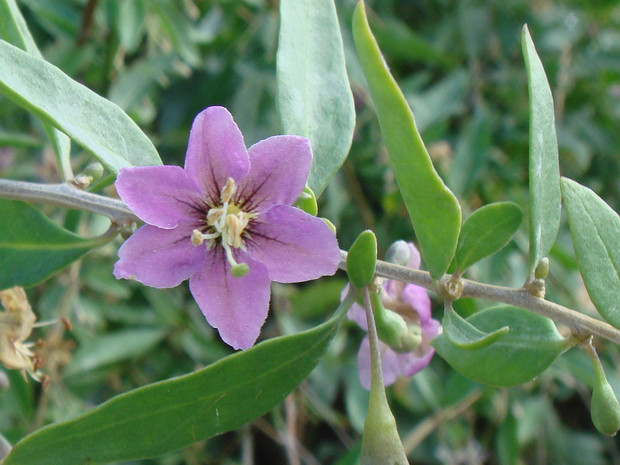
x=398, y=253
x=604, y=409
x=362, y=259
x=542, y=269
x=393, y=330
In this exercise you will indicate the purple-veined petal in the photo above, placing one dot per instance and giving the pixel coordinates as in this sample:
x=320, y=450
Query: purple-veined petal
x=215, y=151
x=393, y=364
x=417, y=298
x=279, y=168
x=293, y=245
x=159, y=257
x=237, y=307
x=159, y=195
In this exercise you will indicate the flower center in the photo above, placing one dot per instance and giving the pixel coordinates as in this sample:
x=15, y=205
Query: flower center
x=226, y=223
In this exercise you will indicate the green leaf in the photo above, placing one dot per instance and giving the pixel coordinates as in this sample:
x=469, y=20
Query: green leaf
x=434, y=210
x=362, y=259
x=595, y=229
x=314, y=97
x=530, y=346
x=113, y=347
x=464, y=335
x=13, y=29
x=92, y=121
x=168, y=415
x=486, y=231
x=32, y=248
x=544, y=171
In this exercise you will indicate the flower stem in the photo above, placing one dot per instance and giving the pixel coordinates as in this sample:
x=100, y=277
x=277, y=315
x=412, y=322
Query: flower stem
x=576, y=321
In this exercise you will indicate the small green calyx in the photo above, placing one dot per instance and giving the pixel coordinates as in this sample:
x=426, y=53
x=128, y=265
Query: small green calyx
x=393, y=330
x=307, y=202
x=362, y=259
x=542, y=269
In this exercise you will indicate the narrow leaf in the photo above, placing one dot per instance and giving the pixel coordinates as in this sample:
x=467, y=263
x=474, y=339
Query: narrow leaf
x=166, y=416
x=530, y=346
x=314, y=97
x=464, y=335
x=92, y=121
x=544, y=172
x=595, y=230
x=486, y=231
x=13, y=29
x=32, y=248
x=434, y=210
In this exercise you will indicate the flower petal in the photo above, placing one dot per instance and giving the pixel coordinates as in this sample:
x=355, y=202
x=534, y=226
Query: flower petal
x=237, y=307
x=393, y=364
x=215, y=151
x=417, y=298
x=414, y=257
x=293, y=245
x=356, y=313
x=159, y=257
x=279, y=168
x=160, y=195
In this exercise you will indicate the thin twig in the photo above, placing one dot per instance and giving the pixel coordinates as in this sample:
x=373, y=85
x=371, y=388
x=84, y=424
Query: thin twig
x=67, y=196
x=517, y=297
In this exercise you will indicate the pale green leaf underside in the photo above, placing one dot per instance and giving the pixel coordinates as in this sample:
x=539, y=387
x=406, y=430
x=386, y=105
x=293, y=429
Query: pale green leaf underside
x=33, y=248
x=314, y=97
x=544, y=172
x=95, y=123
x=166, y=416
x=595, y=230
x=433, y=208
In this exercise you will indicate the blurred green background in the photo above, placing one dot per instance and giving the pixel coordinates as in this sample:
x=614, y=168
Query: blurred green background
x=460, y=66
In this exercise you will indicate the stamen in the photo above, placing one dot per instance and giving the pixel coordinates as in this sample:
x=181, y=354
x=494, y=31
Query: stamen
x=198, y=237
x=228, y=191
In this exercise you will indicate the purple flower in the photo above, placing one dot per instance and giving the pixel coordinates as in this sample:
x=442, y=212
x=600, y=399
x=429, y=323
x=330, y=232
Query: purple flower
x=413, y=304
x=225, y=222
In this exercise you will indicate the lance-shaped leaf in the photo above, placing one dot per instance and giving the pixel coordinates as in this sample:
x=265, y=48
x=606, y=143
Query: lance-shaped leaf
x=544, y=171
x=434, y=210
x=314, y=97
x=530, y=346
x=166, y=416
x=13, y=29
x=595, y=230
x=486, y=231
x=97, y=124
x=32, y=248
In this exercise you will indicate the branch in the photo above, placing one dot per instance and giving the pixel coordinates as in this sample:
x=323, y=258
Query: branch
x=518, y=297
x=67, y=196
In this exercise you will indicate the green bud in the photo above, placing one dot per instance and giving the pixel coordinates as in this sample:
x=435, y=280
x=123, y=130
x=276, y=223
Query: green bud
x=604, y=409
x=240, y=270
x=362, y=259
x=398, y=253
x=307, y=202
x=542, y=269
x=94, y=171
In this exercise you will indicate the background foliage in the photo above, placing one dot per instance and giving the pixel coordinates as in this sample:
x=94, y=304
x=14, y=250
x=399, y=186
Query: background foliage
x=461, y=68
